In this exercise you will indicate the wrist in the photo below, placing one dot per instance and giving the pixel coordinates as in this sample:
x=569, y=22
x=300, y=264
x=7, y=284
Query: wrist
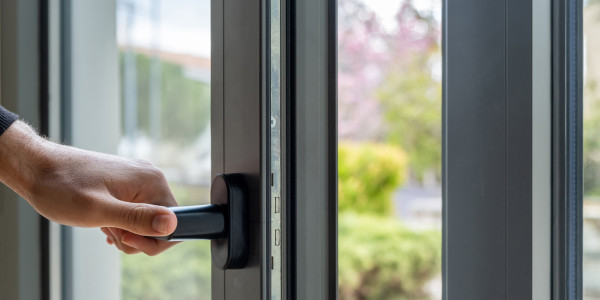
x=23, y=156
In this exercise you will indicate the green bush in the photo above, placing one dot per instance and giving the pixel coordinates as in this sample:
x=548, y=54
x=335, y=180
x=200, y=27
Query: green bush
x=369, y=173
x=381, y=259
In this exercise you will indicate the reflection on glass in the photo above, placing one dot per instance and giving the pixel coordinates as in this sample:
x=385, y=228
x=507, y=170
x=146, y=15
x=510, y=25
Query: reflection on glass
x=389, y=84
x=164, y=49
x=591, y=150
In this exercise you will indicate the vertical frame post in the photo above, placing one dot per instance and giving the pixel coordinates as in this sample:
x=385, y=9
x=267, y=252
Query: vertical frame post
x=487, y=149
x=313, y=87
x=567, y=141
x=239, y=131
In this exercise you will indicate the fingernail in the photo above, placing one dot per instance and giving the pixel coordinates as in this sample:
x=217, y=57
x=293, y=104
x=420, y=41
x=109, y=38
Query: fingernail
x=160, y=223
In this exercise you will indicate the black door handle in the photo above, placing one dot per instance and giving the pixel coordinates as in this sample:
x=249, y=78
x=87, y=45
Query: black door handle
x=224, y=222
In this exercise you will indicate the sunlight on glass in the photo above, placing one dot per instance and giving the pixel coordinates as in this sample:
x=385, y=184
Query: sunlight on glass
x=164, y=49
x=390, y=108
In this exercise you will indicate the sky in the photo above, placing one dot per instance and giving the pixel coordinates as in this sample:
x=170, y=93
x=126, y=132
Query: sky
x=386, y=9
x=185, y=24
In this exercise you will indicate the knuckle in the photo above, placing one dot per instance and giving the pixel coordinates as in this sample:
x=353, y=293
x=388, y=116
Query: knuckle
x=142, y=161
x=157, y=173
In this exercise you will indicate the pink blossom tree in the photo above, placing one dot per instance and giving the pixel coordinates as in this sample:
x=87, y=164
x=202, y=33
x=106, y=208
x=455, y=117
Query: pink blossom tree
x=386, y=85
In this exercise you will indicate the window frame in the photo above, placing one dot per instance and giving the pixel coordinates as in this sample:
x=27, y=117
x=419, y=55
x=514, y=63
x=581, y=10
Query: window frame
x=313, y=112
x=567, y=127
x=496, y=196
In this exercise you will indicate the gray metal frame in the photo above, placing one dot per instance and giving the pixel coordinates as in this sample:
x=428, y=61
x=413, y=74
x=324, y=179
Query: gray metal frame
x=240, y=88
x=313, y=71
x=22, y=255
x=238, y=125
x=487, y=149
x=567, y=132
x=541, y=142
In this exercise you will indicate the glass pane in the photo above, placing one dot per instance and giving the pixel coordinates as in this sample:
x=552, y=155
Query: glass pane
x=591, y=150
x=164, y=49
x=390, y=109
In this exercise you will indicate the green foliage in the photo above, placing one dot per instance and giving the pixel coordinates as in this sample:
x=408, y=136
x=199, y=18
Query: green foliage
x=381, y=259
x=591, y=140
x=182, y=272
x=591, y=108
x=412, y=103
x=369, y=173
x=185, y=102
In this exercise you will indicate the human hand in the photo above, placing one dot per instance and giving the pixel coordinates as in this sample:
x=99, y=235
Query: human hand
x=75, y=187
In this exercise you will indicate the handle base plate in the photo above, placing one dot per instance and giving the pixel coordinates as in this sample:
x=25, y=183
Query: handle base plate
x=229, y=191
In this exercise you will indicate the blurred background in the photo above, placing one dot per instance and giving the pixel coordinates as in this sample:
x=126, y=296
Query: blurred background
x=389, y=113
x=164, y=72
x=389, y=76
x=591, y=150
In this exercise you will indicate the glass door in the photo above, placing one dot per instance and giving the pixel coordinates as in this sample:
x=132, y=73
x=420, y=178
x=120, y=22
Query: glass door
x=183, y=85
x=200, y=89
x=164, y=78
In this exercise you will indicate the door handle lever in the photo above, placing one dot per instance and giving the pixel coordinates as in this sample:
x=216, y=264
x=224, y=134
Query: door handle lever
x=198, y=222
x=224, y=222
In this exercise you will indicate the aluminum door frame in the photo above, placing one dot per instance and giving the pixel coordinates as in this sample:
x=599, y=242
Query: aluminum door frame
x=496, y=149
x=239, y=91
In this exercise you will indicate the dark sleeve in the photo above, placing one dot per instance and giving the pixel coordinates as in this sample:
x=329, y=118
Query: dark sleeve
x=6, y=119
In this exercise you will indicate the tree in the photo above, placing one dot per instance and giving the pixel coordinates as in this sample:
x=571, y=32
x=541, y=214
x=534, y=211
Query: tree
x=413, y=110
x=185, y=102
x=387, y=85
x=360, y=70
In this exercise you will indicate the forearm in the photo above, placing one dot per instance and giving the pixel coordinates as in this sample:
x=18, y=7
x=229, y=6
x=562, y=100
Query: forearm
x=22, y=154
x=88, y=189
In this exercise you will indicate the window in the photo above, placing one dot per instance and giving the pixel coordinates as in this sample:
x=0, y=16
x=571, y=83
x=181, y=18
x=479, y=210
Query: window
x=390, y=145
x=164, y=70
x=127, y=67
x=591, y=150
x=142, y=68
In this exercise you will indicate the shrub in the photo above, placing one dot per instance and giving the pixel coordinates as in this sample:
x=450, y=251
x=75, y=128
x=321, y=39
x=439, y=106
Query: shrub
x=381, y=259
x=369, y=173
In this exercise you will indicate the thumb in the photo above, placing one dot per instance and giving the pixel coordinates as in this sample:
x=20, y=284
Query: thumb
x=144, y=219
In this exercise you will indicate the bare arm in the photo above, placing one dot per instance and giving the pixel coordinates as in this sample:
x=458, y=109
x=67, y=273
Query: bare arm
x=89, y=189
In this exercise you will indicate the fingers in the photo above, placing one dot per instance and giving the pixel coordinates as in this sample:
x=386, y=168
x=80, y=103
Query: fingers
x=110, y=239
x=131, y=243
x=142, y=219
x=116, y=239
x=149, y=246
